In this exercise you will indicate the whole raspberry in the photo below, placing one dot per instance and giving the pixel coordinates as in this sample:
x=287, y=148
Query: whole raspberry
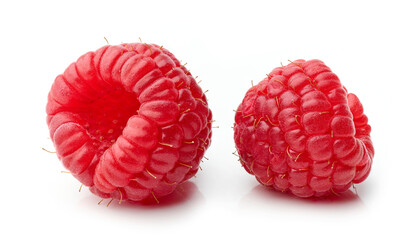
x=129, y=121
x=299, y=130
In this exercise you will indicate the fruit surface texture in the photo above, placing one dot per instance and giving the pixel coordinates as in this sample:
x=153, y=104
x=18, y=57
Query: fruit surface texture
x=300, y=131
x=129, y=121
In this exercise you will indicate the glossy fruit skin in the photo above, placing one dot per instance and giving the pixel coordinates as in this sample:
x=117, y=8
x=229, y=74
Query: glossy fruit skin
x=129, y=121
x=300, y=131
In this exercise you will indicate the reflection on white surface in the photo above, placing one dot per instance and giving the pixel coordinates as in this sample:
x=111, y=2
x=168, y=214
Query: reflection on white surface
x=184, y=200
x=263, y=198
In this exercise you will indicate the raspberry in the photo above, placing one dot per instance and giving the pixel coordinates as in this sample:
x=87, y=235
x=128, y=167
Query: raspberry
x=299, y=131
x=129, y=121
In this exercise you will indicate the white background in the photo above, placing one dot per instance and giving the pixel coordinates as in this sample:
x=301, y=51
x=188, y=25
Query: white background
x=371, y=45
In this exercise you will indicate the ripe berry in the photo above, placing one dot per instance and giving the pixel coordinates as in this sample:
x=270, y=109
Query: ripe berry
x=129, y=121
x=299, y=131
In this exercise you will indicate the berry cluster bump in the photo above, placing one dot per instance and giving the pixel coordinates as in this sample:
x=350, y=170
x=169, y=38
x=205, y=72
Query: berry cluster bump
x=129, y=121
x=300, y=131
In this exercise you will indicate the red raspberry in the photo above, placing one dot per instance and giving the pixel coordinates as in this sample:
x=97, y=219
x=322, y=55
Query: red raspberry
x=299, y=130
x=129, y=121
